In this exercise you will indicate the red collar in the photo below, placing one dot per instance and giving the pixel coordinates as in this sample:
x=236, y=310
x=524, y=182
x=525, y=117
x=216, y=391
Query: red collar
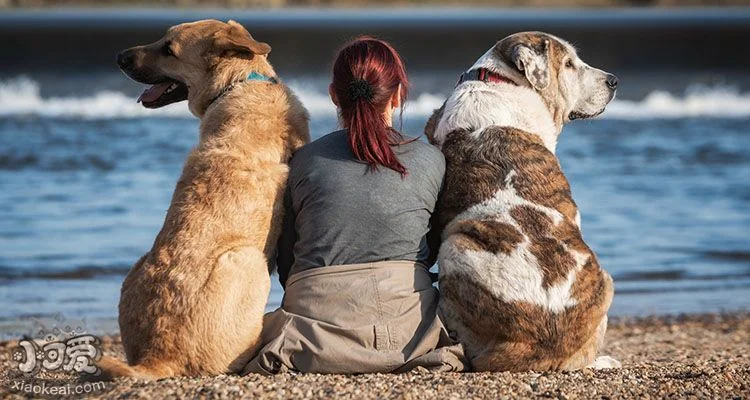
x=484, y=75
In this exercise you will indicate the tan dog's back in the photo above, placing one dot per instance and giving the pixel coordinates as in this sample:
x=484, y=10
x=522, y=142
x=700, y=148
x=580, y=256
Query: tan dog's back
x=194, y=304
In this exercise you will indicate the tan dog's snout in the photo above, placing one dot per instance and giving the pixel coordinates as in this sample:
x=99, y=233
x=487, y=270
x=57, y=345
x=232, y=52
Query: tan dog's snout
x=193, y=61
x=132, y=62
x=125, y=59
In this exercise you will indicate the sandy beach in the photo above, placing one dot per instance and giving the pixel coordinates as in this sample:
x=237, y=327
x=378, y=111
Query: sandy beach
x=700, y=356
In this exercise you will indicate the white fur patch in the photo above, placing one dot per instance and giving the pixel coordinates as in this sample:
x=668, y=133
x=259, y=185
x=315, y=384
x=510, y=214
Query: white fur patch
x=605, y=362
x=478, y=105
x=511, y=277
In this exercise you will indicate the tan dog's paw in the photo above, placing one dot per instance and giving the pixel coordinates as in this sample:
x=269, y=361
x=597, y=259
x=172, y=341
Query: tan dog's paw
x=605, y=362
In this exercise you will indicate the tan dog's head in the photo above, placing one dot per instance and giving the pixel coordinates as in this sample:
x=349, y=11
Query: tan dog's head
x=195, y=62
x=571, y=88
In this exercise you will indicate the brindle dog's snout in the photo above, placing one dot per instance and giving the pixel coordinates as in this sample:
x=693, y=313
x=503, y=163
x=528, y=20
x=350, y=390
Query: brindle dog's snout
x=612, y=81
x=125, y=59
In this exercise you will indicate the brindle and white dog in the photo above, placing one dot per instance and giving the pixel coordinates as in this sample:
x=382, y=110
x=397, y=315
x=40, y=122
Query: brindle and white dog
x=520, y=288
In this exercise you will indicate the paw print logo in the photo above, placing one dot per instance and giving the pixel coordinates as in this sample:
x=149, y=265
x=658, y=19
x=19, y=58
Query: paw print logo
x=40, y=355
x=18, y=355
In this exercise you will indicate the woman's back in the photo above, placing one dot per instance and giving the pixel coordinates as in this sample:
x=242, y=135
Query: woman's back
x=344, y=212
x=353, y=253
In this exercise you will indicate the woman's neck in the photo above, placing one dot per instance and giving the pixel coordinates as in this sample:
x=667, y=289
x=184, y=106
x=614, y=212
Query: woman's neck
x=388, y=116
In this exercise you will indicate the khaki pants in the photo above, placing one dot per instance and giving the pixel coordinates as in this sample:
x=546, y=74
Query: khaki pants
x=360, y=318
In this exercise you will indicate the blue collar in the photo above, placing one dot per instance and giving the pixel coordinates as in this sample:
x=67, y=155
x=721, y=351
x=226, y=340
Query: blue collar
x=253, y=76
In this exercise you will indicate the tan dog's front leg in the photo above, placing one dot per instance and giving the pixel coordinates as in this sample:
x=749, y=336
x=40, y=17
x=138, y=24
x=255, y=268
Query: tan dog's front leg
x=236, y=296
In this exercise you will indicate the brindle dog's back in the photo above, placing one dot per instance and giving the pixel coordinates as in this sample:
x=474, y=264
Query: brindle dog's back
x=519, y=286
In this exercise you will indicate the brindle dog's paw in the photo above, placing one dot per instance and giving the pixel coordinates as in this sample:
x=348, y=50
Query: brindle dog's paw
x=605, y=362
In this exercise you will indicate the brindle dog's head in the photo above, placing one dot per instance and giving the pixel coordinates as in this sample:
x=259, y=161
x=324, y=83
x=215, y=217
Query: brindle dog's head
x=195, y=62
x=571, y=88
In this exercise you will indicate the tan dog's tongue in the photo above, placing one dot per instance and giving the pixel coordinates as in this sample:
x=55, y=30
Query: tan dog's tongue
x=154, y=92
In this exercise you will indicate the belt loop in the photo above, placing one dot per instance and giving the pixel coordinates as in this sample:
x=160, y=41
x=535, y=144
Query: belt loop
x=382, y=338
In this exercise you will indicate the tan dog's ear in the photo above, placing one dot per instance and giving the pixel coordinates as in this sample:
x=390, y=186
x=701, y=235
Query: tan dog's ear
x=533, y=62
x=235, y=38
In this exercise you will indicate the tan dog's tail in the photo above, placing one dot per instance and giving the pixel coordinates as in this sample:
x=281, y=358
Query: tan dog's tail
x=114, y=368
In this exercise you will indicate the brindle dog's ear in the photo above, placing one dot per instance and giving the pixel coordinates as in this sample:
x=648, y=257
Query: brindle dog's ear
x=533, y=61
x=235, y=38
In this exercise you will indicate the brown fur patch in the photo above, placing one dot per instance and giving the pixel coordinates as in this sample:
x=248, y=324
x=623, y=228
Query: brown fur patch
x=554, y=51
x=554, y=259
x=515, y=336
x=476, y=168
x=487, y=235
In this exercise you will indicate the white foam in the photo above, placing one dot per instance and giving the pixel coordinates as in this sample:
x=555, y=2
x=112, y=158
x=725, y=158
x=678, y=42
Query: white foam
x=22, y=97
x=698, y=101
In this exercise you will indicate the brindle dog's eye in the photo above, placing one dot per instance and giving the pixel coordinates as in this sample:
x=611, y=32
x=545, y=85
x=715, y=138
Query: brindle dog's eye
x=569, y=63
x=167, y=49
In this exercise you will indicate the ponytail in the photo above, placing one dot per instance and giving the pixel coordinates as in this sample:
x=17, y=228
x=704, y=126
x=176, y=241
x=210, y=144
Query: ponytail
x=366, y=74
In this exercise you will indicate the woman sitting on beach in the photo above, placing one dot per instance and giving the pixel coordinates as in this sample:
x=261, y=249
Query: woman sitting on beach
x=353, y=256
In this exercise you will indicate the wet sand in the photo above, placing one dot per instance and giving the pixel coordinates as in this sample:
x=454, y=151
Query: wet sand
x=700, y=356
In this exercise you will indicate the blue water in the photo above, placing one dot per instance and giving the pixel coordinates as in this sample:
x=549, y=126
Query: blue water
x=664, y=204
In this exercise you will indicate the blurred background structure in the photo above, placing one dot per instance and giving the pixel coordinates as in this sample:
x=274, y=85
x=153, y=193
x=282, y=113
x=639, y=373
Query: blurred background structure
x=367, y=3
x=86, y=173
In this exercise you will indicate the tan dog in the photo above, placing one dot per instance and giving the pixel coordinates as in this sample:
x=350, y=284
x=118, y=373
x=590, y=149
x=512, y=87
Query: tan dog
x=519, y=286
x=194, y=304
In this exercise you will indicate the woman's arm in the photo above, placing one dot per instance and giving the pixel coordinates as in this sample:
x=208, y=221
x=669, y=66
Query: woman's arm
x=434, y=238
x=434, y=235
x=433, y=242
x=285, y=247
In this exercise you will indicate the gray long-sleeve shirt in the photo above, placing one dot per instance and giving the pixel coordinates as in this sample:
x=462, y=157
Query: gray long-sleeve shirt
x=339, y=211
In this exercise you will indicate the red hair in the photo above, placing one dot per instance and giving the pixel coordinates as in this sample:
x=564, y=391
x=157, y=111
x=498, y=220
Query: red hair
x=366, y=74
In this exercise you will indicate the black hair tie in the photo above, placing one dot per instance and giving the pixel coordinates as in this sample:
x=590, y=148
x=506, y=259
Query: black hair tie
x=360, y=89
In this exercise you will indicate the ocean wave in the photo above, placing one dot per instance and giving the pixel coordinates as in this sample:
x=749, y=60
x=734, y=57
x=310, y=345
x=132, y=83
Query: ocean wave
x=677, y=275
x=78, y=273
x=73, y=162
x=22, y=97
x=698, y=101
